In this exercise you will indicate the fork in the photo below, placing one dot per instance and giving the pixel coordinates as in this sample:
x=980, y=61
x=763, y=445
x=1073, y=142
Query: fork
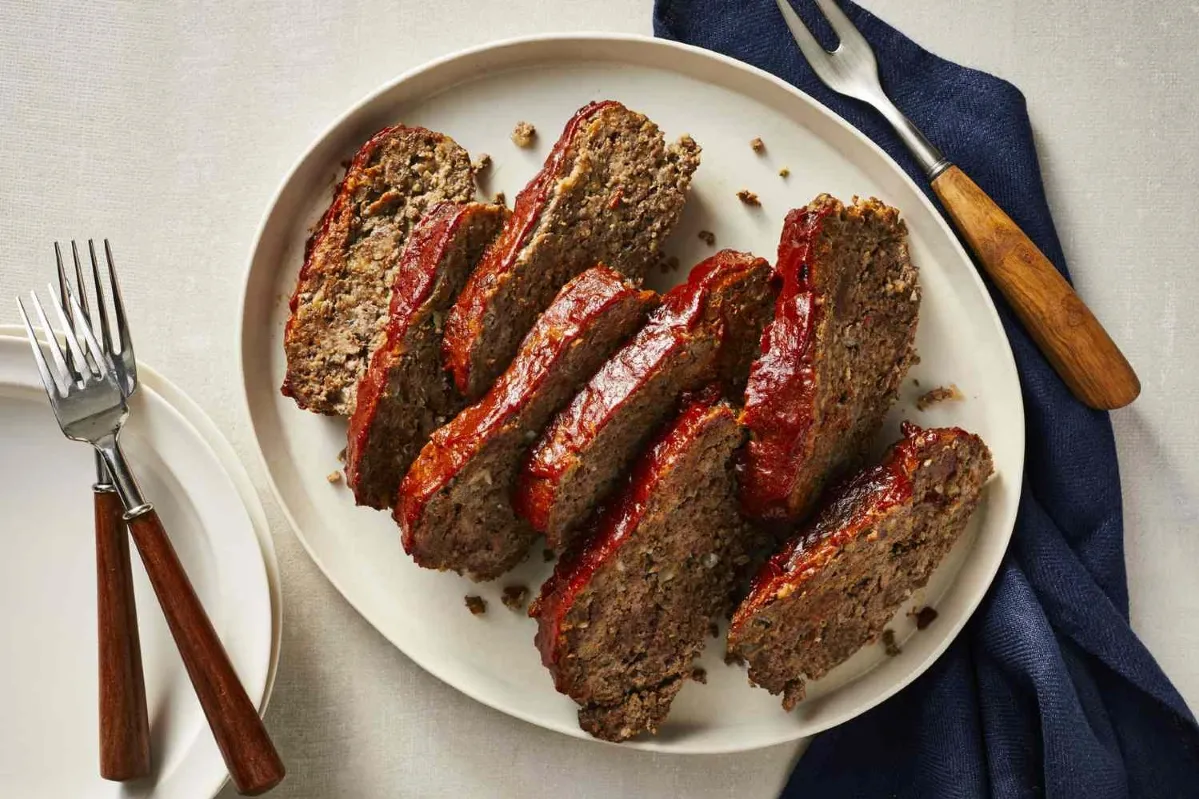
x=124, y=723
x=88, y=402
x=1066, y=331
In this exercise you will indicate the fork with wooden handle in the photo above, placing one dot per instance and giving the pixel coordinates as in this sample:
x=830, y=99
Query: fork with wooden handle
x=124, y=723
x=89, y=405
x=1064, y=328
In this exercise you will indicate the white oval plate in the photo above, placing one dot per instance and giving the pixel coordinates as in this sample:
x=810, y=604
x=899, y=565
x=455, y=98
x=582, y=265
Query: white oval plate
x=48, y=588
x=476, y=97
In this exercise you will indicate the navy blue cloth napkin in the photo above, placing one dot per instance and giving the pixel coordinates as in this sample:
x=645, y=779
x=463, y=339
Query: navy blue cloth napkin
x=1047, y=692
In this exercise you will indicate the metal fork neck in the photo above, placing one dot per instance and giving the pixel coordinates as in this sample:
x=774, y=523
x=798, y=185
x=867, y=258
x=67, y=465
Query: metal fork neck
x=122, y=479
x=931, y=159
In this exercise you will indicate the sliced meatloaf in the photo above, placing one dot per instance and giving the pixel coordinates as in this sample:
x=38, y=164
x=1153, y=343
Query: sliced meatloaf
x=340, y=303
x=707, y=328
x=454, y=505
x=627, y=610
x=610, y=191
x=879, y=536
x=405, y=394
x=842, y=339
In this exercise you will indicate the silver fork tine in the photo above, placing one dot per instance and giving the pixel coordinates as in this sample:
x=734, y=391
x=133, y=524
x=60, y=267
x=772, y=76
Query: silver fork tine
x=66, y=374
x=80, y=285
x=62, y=290
x=118, y=304
x=812, y=49
x=72, y=335
x=52, y=387
x=846, y=31
x=101, y=310
x=99, y=363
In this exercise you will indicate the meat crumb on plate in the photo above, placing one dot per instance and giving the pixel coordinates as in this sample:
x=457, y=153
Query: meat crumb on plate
x=699, y=675
x=748, y=197
x=523, y=134
x=500, y=198
x=924, y=617
x=889, y=646
x=938, y=394
x=333, y=477
x=708, y=237
x=784, y=172
x=477, y=605
x=514, y=597
x=547, y=555
x=757, y=144
x=481, y=163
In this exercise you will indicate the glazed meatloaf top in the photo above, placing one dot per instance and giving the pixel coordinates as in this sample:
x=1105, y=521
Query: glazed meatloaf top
x=454, y=505
x=341, y=298
x=626, y=611
x=707, y=328
x=610, y=191
x=878, y=537
x=842, y=339
x=405, y=394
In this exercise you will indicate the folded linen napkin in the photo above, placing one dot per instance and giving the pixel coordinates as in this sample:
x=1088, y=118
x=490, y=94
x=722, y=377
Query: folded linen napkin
x=1047, y=691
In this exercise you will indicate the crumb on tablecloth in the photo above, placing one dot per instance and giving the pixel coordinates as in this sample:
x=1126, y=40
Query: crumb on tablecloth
x=889, y=646
x=784, y=172
x=757, y=144
x=708, y=237
x=333, y=477
x=514, y=597
x=699, y=675
x=523, y=134
x=748, y=197
x=938, y=394
x=477, y=605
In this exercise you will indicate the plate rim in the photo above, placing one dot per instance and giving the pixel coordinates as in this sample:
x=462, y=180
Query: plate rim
x=650, y=42
x=207, y=431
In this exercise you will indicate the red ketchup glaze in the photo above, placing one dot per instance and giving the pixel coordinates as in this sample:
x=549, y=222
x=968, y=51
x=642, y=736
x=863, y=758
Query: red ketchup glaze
x=780, y=394
x=570, y=316
x=341, y=196
x=618, y=520
x=852, y=507
x=465, y=320
x=663, y=337
x=414, y=281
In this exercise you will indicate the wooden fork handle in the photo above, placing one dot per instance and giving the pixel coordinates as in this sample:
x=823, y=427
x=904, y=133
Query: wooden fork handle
x=249, y=753
x=1064, y=328
x=124, y=723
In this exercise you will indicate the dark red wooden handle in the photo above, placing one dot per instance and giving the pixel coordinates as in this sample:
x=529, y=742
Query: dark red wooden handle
x=253, y=762
x=124, y=724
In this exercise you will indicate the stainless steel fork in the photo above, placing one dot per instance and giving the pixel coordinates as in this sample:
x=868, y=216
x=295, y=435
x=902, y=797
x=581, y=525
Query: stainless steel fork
x=86, y=396
x=124, y=722
x=1064, y=328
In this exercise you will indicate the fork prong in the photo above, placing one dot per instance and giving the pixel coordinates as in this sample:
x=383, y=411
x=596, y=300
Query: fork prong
x=846, y=31
x=72, y=323
x=62, y=290
x=80, y=285
x=66, y=373
x=52, y=386
x=101, y=309
x=812, y=49
x=118, y=304
x=99, y=362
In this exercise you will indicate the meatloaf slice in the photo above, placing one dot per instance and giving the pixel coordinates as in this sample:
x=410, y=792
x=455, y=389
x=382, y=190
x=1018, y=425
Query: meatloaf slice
x=879, y=536
x=842, y=339
x=340, y=303
x=454, y=505
x=706, y=328
x=627, y=610
x=609, y=192
x=405, y=393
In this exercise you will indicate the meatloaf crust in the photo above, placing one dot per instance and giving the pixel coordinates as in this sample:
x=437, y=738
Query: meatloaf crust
x=405, y=394
x=842, y=339
x=609, y=192
x=707, y=328
x=627, y=610
x=454, y=505
x=341, y=297
x=834, y=587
